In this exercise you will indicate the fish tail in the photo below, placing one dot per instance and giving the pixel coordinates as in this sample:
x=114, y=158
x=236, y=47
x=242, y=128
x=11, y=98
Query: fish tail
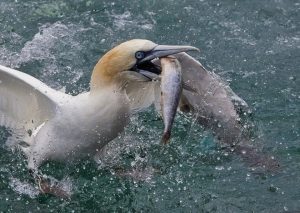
x=166, y=137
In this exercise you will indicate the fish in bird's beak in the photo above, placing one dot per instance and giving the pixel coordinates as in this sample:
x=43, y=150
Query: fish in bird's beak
x=169, y=74
x=147, y=68
x=171, y=88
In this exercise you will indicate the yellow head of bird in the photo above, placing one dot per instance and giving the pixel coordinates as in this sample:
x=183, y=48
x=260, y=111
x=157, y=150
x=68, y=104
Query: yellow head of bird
x=134, y=55
x=121, y=58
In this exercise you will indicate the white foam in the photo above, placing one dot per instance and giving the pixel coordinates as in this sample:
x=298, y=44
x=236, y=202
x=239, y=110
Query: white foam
x=32, y=190
x=23, y=187
x=125, y=20
x=139, y=174
x=43, y=48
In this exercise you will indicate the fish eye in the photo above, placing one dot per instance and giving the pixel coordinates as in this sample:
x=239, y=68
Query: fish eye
x=139, y=55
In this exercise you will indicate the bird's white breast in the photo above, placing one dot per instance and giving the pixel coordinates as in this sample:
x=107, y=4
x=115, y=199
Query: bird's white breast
x=82, y=126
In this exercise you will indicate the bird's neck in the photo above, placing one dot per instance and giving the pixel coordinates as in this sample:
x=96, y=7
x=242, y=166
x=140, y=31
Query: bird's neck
x=102, y=76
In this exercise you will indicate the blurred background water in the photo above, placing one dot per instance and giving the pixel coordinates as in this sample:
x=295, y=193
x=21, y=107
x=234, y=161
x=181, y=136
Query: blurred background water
x=254, y=45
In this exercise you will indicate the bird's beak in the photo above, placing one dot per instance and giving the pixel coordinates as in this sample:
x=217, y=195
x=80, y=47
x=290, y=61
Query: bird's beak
x=165, y=50
x=152, y=71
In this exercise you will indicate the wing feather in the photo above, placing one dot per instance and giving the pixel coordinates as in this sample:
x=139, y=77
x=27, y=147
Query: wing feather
x=25, y=102
x=214, y=102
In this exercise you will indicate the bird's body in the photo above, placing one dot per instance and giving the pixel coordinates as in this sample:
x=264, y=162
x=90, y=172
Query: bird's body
x=58, y=126
x=66, y=126
x=81, y=127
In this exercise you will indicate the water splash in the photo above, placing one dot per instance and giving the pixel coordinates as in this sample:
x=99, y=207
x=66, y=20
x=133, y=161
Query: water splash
x=23, y=187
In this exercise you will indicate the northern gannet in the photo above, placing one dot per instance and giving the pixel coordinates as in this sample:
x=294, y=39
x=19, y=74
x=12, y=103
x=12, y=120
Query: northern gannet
x=58, y=126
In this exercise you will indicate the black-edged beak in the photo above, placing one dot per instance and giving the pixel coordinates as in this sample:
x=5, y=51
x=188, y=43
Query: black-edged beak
x=145, y=67
x=165, y=50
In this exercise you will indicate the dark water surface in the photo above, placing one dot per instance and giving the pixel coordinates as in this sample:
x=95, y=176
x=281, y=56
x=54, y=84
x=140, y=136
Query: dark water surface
x=254, y=45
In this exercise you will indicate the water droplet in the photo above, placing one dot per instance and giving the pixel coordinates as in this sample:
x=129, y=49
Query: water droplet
x=292, y=78
x=273, y=188
x=219, y=168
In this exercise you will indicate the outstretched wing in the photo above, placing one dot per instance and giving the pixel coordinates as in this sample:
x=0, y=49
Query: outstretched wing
x=208, y=84
x=214, y=103
x=25, y=102
x=218, y=108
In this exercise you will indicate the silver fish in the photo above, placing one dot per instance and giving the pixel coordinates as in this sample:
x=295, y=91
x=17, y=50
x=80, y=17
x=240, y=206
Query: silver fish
x=171, y=88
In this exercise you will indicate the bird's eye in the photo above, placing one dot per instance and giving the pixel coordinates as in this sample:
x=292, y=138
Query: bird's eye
x=139, y=55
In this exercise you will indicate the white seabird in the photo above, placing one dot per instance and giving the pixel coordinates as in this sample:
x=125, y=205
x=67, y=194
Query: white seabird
x=58, y=126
